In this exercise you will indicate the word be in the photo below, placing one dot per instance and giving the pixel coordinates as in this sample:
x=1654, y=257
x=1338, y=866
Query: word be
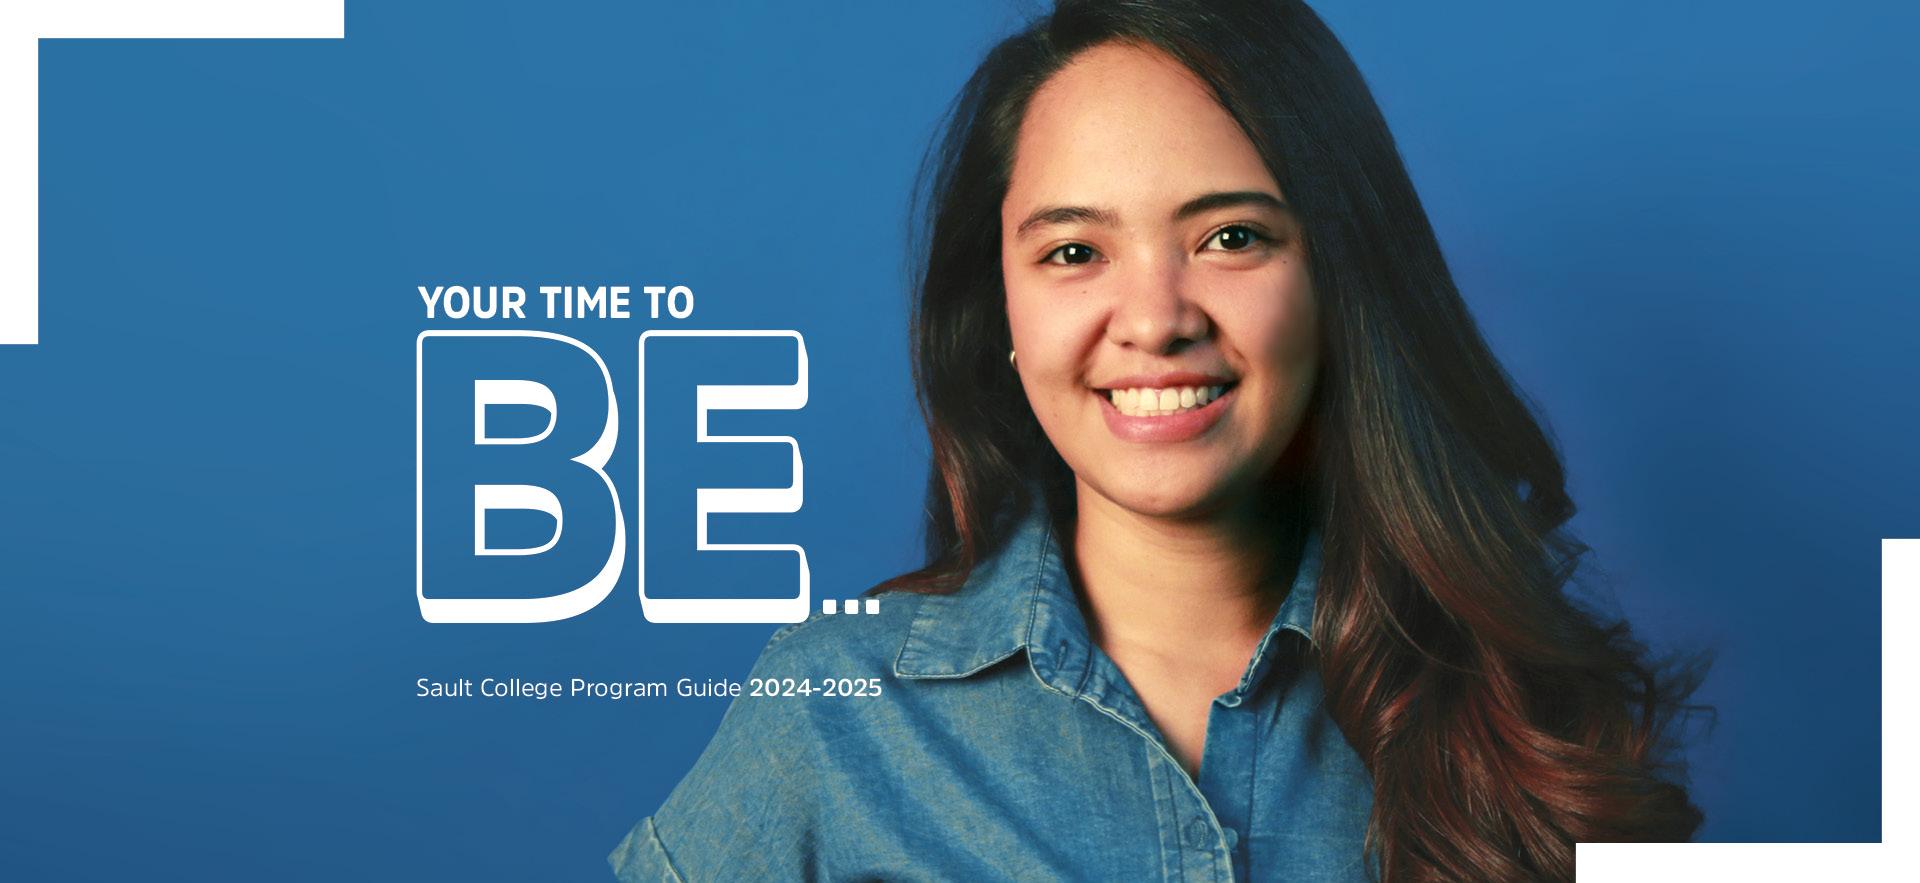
x=555, y=467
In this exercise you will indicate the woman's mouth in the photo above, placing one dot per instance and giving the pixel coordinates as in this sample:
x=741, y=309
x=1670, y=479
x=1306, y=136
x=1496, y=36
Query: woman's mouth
x=1158, y=414
x=1151, y=402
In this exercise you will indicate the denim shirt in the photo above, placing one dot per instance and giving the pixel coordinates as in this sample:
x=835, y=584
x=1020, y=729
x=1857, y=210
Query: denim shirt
x=1004, y=745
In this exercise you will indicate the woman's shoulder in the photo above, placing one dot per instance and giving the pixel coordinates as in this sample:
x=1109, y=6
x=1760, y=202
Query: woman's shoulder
x=765, y=777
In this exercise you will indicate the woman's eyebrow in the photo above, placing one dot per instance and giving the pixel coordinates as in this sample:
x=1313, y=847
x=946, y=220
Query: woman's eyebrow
x=1081, y=214
x=1067, y=214
x=1229, y=199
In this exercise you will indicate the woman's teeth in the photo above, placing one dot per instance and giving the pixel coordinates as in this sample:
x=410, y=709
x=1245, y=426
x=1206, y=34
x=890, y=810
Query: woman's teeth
x=1161, y=402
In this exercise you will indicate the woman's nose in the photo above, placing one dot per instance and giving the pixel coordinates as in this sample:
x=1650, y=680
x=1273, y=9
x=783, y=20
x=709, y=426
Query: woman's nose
x=1153, y=311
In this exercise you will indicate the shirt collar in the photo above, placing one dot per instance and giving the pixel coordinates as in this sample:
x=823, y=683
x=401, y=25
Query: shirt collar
x=1020, y=598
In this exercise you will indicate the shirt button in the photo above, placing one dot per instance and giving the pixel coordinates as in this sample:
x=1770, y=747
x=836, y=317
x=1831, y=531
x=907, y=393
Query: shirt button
x=1233, y=838
x=1197, y=834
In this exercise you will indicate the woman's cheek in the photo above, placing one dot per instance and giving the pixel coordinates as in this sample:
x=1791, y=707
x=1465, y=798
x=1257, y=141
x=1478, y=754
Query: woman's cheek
x=1282, y=316
x=1297, y=352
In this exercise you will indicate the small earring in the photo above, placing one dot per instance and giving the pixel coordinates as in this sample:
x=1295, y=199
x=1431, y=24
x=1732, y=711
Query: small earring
x=1010, y=357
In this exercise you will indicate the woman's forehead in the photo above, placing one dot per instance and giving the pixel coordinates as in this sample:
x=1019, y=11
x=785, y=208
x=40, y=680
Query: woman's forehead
x=1129, y=128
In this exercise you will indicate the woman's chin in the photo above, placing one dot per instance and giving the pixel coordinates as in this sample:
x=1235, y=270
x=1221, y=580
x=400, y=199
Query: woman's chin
x=1158, y=497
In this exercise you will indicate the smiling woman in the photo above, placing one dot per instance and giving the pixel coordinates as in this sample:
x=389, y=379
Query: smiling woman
x=1245, y=559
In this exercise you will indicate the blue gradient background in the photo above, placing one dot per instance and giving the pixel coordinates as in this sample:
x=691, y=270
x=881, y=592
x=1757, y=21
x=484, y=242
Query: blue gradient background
x=1681, y=226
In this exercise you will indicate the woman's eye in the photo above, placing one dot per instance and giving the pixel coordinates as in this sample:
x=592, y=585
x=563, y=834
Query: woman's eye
x=1071, y=253
x=1236, y=238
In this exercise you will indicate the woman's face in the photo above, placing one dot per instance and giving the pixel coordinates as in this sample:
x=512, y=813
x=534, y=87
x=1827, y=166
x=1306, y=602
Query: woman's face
x=1157, y=287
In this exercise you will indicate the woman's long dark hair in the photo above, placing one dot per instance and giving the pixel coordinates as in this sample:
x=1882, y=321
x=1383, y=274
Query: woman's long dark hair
x=1501, y=722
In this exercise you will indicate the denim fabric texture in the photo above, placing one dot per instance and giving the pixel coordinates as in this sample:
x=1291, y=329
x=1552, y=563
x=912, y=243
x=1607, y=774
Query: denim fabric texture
x=1006, y=746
